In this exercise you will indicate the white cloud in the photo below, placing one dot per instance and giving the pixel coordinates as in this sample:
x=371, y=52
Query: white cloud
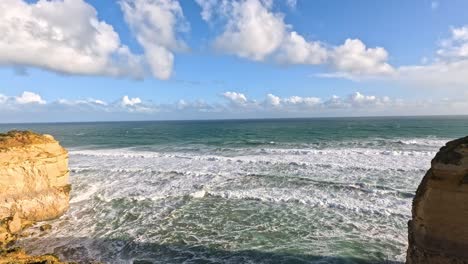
x=448, y=70
x=358, y=99
x=237, y=106
x=29, y=98
x=210, y=7
x=126, y=101
x=443, y=74
x=353, y=58
x=62, y=36
x=235, y=98
x=294, y=104
x=155, y=24
x=291, y=102
x=354, y=103
x=252, y=31
x=98, y=102
x=296, y=50
x=306, y=101
x=460, y=33
x=89, y=101
x=273, y=100
x=456, y=47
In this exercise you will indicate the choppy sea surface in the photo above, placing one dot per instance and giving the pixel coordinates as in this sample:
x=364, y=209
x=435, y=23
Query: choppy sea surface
x=242, y=191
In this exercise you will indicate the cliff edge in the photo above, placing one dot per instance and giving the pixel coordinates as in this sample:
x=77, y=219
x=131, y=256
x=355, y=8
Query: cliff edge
x=438, y=231
x=33, y=184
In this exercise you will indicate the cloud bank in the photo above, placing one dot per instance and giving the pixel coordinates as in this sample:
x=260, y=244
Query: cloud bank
x=155, y=23
x=31, y=107
x=448, y=69
x=69, y=37
x=66, y=36
x=62, y=36
x=252, y=30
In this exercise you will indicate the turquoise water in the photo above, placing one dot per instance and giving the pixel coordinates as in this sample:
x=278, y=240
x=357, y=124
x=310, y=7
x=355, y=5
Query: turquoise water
x=258, y=191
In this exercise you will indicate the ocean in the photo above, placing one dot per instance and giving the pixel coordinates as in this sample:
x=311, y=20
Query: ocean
x=331, y=190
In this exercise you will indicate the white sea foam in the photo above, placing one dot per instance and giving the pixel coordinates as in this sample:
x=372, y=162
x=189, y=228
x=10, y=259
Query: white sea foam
x=165, y=197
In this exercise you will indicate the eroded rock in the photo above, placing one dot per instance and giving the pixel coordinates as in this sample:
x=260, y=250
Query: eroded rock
x=33, y=186
x=438, y=232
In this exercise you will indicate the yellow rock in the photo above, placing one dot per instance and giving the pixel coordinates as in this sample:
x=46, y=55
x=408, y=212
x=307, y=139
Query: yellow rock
x=438, y=232
x=19, y=256
x=33, y=187
x=14, y=226
x=33, y=176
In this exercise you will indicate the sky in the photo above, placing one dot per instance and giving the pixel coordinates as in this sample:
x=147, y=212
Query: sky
x=102, y=60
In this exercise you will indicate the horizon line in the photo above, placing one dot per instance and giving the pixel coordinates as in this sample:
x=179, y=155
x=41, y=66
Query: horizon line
x=232, y=119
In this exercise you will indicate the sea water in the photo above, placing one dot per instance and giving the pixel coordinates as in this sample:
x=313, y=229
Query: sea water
x=335, y=190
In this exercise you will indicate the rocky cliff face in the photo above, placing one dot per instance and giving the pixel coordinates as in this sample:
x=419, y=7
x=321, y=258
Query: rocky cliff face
x=438, y=232
x=33, y=182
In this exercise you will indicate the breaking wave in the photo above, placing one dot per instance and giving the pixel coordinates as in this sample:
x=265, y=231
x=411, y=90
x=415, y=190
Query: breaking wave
x=315, y=198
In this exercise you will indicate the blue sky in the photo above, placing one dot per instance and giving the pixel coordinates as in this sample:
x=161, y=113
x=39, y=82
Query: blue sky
x=76, y=60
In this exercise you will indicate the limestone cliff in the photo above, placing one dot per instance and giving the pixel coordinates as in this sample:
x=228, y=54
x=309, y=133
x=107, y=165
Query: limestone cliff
x=438, y=232
x=33, y=182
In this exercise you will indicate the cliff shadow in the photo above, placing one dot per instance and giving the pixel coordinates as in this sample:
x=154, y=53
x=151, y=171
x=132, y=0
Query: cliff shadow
x=87, y=250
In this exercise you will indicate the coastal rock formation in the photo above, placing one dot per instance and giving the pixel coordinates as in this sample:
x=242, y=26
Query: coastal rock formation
x=33, y=183
x=19, y=256
x=438, y=232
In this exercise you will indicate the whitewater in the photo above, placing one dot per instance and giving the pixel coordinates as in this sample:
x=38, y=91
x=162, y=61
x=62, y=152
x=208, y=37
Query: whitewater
x=260, y=198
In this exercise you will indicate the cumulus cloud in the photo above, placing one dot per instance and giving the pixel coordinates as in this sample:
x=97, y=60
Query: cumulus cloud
x=296, y=50
x=29, y=98
x=274, y=103
x=355, y=59
x=237, y=105
x=127, y=101
x=449, y=68
x=358, y=99
x=62, y=36
x=86, y=102
x=291, y=102
x=235, y=98
x=66, y=36
x=155, y=24
x=456, y=47
x=306, y=101
x=254, y=31
x=210, y=7
x=273, y=100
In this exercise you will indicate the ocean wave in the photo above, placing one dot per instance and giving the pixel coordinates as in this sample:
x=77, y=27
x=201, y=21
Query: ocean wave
x=312, y=160
x=319, y=199
x=135, y=153
x=175, y=194
x=156, y=185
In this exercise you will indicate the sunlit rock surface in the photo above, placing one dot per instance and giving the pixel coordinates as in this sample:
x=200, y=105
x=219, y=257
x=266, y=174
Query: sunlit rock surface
x=438, y=232
x=33, y=186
